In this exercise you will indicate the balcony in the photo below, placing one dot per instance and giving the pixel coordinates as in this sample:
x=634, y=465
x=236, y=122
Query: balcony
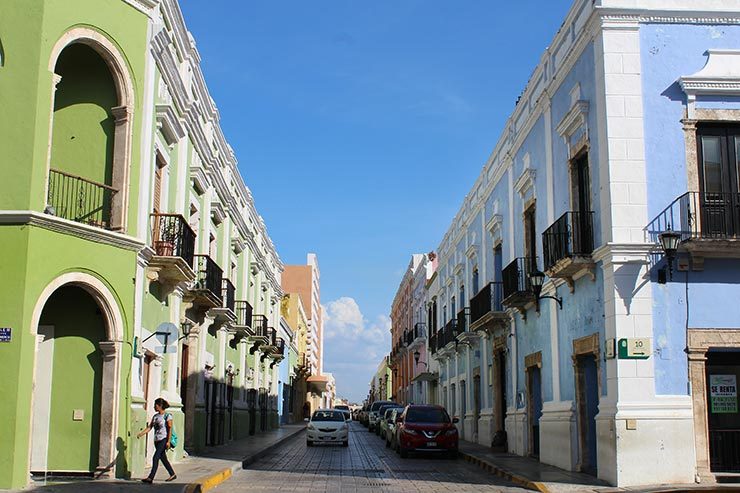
x=259, y=336
x=709, y=223
x=79, y=199
x=173, y=242
x=464, y=334
x=243, y=311
x=433, y=343
x=229, y=293
x=516, y=284
x=278, y=352
x=271, y=343
x=448, y=335
x=419, y=333
x=567, y=246
x=208, y=282
x=487, y=311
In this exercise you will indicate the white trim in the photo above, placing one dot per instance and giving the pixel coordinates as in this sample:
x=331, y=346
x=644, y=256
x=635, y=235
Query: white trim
x=65, y=226
x=720, y=75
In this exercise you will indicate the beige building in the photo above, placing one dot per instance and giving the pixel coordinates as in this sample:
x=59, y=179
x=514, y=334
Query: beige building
x=305, y=280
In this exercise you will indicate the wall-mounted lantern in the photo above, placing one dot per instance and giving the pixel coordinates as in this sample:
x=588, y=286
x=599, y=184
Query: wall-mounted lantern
x=669, y=241
x=537, y=279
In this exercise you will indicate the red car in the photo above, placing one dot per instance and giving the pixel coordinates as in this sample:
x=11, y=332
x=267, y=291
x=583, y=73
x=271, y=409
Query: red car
x=425, y=428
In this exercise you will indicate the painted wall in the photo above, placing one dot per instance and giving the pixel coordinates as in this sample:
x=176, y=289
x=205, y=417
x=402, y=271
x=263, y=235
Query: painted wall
x=691, y=299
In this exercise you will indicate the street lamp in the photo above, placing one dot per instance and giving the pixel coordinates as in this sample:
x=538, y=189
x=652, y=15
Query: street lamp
x=536, y=280
x=669, y=241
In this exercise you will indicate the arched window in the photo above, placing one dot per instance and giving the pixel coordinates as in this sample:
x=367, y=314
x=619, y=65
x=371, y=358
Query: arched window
x=91, y=131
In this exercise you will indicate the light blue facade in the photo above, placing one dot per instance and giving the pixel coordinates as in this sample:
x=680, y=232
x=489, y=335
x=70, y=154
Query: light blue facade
x=629, y=91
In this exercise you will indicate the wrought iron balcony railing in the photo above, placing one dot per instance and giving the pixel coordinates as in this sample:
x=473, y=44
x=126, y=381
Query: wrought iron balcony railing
x=271, y=336
x=172, y=236
x=516, y=276
x=486, y=301
x=229, y=293
x=243, y=311
x=209, y=277
x=259, y=325
x=79, y=199
x=420, y=330
x=700, y=216
x=570, y=236
x=433, y=342
x=463, y=320
x=279, y=347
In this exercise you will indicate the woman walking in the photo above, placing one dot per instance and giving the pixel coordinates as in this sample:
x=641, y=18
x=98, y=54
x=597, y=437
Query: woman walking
x=161, y=423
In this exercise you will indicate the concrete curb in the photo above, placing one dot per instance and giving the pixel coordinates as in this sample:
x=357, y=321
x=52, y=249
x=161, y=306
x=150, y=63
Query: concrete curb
x=503, y=473
x=209, y=482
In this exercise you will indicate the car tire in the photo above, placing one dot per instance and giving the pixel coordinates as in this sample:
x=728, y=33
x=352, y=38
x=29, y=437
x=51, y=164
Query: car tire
x=309, y=443
x=345, y=443
x=403, y=452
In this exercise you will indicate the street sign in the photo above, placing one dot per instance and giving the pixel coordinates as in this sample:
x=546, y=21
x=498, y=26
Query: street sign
x=637, y=348
x=5, y=334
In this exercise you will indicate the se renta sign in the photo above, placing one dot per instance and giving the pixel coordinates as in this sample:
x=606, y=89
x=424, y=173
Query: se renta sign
x=723, y=393
x=5, y=334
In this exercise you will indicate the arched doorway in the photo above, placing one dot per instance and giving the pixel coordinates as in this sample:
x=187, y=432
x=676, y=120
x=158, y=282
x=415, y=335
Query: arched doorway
x=90, y=146
x=76, y=378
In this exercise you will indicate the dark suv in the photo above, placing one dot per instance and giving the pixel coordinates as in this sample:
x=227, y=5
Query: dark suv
x=424, y=428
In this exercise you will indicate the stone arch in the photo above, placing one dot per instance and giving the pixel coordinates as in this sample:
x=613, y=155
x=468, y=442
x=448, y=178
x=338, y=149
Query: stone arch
x=122, y=113
x=110, y=347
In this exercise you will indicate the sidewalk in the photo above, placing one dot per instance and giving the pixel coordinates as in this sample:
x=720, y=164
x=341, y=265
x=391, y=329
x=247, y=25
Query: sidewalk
x=534, y=475
x=195, y=474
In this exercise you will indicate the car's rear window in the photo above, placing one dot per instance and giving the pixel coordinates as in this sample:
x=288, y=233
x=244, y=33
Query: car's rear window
x=342, y=407
x=328, y=416
x=377, y=405
x=427, y=415
x=389, y=411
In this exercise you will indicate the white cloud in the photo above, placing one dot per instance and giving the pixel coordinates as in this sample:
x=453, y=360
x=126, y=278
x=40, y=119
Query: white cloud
x=353, y=345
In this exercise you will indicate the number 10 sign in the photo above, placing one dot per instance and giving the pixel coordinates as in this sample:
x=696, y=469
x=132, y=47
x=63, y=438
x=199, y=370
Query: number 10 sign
x=639, y=348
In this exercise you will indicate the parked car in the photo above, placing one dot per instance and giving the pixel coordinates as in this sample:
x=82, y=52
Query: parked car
x=345, y=410
x=327, y=426
x=390, y=430
x=373, y=413
x=426, y=428
x=364, y=415
x=381, y=423
x=386, y=412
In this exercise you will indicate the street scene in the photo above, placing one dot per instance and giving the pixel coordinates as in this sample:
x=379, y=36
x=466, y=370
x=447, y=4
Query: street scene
x=388, y=246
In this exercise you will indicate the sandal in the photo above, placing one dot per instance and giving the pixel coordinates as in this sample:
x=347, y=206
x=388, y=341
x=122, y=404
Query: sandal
x=171, y=478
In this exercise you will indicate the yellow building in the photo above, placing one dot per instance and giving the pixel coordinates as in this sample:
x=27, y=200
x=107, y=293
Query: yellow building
x=294, y=314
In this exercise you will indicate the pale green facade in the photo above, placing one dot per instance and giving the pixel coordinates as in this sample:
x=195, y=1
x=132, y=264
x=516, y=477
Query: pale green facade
x=106, y=121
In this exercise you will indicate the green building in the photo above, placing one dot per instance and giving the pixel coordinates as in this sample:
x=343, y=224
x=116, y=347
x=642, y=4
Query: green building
x=135, y=264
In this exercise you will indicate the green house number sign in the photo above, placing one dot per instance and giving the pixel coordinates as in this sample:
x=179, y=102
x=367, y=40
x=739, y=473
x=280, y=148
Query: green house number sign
x=638, y=348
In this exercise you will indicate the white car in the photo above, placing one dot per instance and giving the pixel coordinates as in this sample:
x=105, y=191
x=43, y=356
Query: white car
x=327, y=426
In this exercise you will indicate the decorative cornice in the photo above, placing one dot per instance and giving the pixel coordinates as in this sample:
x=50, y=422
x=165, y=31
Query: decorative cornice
x=624, y=253
x=576, y=118
x=64, y=226
x=525, y=181
x=495, y=223
x=169, y=123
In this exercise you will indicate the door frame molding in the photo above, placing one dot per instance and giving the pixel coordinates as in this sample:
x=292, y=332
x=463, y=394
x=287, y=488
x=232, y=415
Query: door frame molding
x=531, y=361
x=110, y=346
x=584, y=346
x=699, y=342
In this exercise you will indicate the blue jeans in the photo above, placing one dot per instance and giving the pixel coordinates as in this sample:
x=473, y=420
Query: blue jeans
x=160, y=454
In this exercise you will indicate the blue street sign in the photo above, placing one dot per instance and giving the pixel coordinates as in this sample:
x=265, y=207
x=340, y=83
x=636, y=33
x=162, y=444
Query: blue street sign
x=5, y=334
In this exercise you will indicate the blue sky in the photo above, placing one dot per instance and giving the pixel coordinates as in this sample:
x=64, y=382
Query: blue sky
x=359, y=127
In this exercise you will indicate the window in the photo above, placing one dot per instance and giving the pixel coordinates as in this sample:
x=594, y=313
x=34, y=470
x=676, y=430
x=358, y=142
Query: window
x=462, y=295
x=476, y=288
x=530, y=237
x=452, y=304
x=427, y=415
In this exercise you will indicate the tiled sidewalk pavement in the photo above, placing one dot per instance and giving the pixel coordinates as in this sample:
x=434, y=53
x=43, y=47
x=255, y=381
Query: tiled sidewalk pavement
x=210, y=462
x=529, y=472
x=534, y=475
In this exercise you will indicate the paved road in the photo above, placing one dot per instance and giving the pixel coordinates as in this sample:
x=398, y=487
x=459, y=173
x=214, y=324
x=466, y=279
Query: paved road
x=365, y=466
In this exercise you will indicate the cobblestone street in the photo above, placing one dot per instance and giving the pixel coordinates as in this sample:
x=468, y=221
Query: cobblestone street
x=365, y=466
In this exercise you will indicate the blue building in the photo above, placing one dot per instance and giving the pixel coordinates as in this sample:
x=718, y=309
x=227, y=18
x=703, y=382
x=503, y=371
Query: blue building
x=562, y=330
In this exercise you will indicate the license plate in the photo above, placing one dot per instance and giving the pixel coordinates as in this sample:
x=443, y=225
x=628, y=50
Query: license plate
x=431, y=444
